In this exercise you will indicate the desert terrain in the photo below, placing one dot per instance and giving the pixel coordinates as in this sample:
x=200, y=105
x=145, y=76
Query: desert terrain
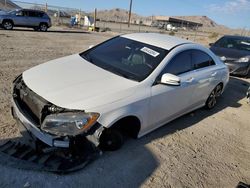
x=201, y=149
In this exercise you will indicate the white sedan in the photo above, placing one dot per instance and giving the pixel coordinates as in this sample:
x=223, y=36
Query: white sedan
x=128, y=85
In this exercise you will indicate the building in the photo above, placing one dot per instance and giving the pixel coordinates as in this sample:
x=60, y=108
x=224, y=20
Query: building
x=175, y=21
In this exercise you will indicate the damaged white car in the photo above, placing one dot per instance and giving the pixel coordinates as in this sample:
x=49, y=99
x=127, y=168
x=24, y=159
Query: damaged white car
x=126, y=86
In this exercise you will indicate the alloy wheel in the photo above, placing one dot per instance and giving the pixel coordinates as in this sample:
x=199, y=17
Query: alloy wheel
x=212, y=99
x=7, y=25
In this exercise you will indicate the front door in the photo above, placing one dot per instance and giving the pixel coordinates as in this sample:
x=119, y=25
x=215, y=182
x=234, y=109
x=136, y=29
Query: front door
x=168, y=102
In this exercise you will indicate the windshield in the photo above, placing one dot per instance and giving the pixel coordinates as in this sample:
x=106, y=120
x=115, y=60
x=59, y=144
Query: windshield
x=13, y=12
x=128, y=58
x=234, y=43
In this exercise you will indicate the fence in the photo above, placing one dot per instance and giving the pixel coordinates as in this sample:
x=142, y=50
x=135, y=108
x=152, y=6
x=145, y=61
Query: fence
x=59, y=15
x=62, y=16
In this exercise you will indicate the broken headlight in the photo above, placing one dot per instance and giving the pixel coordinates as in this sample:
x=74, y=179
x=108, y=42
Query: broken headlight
x=69, y=124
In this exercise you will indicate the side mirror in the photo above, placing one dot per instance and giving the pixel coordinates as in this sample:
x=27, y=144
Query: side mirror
x=91, y=46
x=211, y=44
x=170, y=79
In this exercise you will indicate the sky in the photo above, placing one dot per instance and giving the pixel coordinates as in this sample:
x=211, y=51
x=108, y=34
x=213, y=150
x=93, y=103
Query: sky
x=231, y=13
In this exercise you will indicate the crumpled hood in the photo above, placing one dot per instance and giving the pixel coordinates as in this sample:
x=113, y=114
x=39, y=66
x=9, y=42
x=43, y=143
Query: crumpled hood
x=74, y=83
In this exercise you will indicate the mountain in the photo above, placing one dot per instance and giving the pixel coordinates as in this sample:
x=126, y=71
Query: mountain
x=206, y=21
x=117, y=15
x=121, y=15
x=9, y=5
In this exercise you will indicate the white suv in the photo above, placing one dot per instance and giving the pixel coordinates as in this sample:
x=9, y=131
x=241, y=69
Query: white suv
x=130, y=84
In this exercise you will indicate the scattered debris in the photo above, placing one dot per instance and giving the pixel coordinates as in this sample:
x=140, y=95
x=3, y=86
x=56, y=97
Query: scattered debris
x=57, y=161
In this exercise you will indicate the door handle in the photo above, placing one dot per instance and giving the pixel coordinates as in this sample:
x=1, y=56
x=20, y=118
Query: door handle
x=189, y=80
x=213, y=74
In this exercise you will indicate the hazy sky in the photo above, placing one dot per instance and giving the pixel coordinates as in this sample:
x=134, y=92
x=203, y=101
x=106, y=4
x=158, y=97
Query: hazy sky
x=232, y=13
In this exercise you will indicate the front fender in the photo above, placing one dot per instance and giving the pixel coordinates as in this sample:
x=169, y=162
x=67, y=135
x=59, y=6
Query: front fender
x=136, y=110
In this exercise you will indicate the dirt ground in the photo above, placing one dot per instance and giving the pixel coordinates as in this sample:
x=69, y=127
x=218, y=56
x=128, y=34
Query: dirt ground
x=201, y=149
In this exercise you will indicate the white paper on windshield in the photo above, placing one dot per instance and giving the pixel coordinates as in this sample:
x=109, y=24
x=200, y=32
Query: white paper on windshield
x=150, y=51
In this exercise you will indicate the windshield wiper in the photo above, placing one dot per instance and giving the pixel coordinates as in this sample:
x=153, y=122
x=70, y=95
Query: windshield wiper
x=120, y=73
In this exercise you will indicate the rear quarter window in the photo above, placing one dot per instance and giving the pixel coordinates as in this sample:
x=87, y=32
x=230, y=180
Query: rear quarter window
x=36, y=14
x=201, y=59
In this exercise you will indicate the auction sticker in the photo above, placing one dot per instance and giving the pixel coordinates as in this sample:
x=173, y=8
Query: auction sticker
x=150, y=51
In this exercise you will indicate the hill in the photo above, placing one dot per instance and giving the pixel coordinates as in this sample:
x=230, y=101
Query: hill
x=121, y=15
x=9, y=5
x=117, y=15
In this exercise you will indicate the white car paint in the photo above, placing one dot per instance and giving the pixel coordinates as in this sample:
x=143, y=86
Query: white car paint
x=73, y=83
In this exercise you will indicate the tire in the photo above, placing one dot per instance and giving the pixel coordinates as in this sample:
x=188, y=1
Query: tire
x=7, y=24
x=43, y=27
x=111, y=140
x=212, y=99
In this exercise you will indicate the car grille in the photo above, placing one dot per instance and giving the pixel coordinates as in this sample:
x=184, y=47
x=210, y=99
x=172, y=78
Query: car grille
x=30, y=104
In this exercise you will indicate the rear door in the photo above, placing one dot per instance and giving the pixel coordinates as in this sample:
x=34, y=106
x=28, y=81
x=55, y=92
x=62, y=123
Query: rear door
x=206, y=74
x=35, y=18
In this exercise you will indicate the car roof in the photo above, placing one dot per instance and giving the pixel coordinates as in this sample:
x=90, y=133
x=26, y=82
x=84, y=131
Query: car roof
x=236, y=37
x=156, y=39
x=32, y=10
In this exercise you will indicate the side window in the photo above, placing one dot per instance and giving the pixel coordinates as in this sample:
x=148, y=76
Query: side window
x=201, y=59
x=25, y=13
x=181, y=63
x=221, y=42
x=33, y=14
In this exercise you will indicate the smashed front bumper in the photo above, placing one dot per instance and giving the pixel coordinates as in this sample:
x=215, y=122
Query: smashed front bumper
x=238, y=68
x=34, y=130
x=30, y=110
x=93, y=135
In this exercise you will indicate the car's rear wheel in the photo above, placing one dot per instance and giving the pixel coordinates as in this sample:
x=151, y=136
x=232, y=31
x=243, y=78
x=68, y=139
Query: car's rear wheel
x=7, y=24
x=43, y=27
x=212, y=99
x=111, y=140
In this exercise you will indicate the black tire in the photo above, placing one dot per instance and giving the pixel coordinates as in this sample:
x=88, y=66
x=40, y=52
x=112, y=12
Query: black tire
x=7, y=24
x=43, y=27
x=111, y=140
x=212, y=99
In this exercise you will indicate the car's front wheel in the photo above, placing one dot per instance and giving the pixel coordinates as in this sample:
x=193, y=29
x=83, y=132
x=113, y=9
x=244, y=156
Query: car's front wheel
x=43, y=27
x=212, y=99
x=111, y=140
x=7, y=24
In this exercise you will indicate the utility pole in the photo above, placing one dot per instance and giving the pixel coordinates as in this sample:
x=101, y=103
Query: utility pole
x=5, y=4
x=129, y=15
x=46, y=7
x=95, y=16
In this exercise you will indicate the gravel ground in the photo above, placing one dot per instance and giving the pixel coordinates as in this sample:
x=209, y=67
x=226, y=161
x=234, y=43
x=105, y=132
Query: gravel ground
x=201, y=149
